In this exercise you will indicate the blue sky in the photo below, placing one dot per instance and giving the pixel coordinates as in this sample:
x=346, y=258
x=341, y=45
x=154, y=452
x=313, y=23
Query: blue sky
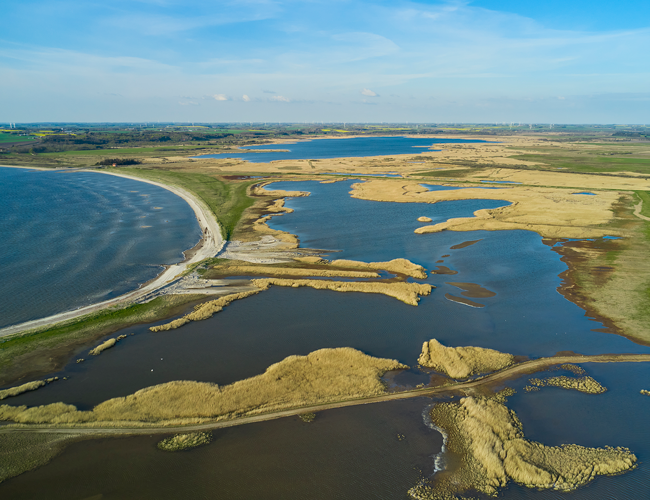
x=571, y=61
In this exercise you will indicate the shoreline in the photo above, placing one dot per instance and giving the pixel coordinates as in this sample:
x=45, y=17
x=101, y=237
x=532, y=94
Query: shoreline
x=212, y=243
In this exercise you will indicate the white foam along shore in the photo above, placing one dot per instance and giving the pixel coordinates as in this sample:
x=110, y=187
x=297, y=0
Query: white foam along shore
x=213, y=242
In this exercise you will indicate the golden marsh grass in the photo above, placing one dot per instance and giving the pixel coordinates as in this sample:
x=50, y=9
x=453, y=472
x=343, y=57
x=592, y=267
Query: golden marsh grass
x=462, y=362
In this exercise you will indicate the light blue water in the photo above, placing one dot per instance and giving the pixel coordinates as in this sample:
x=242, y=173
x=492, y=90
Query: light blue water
x=70, y=239
x=585, y=192
x=502, y=182
x=341, y=148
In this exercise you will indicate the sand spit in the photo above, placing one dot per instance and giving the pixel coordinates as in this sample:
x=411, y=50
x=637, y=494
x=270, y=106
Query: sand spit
x=464, y=301
x=181, y=442
x=583, y=384
x=29, y=386
x=205, y=310
x=462, y=362
x=472, y=290
x=491, y=441
x=424, y=219
x=322, y=376
x=398, y=266
x=409, y=293
x=550, y=211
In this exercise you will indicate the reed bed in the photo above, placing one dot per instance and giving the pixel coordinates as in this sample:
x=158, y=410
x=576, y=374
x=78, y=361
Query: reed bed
x=102, y=347
x=205, y=310
x=15, y=391
x=326, y=375
x=180, y=442
x=398, y=266
x=462, y=362
x=409, y=293
x=489, y=438
x=582, y=384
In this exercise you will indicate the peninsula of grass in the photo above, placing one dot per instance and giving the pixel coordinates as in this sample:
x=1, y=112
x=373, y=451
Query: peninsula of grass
x=226, y=199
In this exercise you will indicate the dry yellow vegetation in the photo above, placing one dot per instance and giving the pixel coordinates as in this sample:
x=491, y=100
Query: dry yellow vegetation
x=102, y=347
x=398, y=266
x=205, y=310
x=322, y=376
x=552, y=212
x=15, y=391
x=491, y=441
x=409, y=293
x=462, y=362
x=582, y=384
x=296, y=271
x=424, y=219
x=645, y=393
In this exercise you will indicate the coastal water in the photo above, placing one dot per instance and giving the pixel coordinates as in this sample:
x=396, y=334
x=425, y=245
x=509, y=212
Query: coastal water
x=527, y=316
x=342, y=148
x=70, y=239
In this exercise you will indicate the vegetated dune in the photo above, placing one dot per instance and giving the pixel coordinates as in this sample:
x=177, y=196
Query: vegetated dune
x=582, y=384
x=409, y=293
x=205, y=310
x=400, y=266
x=102, y=347
x=462, y=362
x=490, y=439
x=325, y=375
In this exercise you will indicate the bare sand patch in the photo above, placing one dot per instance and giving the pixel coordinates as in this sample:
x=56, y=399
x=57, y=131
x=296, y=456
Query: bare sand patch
x=462, y=362
x=582, y=384
x=325, y=375
x=409, y=293
x=490, y=439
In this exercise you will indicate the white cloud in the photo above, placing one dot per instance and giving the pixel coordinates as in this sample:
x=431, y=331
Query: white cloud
x=221, y=97
x=280, y=98
x=245, y=98
x=369, y=93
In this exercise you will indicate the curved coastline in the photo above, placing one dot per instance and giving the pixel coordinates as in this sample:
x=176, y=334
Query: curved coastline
x=212, y=241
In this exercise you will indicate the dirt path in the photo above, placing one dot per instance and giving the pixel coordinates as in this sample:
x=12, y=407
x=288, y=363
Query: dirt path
x=637, y=211
x=212, y=244
x=531, y=366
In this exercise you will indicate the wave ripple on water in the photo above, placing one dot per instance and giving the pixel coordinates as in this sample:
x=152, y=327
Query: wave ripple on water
x=73, y=239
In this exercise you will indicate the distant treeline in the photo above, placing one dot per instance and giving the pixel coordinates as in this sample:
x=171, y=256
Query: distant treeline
x=119, y=161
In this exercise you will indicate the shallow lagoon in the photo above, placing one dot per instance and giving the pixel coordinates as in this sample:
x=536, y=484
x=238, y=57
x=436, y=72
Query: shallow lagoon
x=71, y=239
x=341, y=148
x=527, y=316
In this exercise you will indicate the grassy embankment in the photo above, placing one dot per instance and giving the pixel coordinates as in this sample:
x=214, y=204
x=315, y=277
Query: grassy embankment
x=226, y=200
